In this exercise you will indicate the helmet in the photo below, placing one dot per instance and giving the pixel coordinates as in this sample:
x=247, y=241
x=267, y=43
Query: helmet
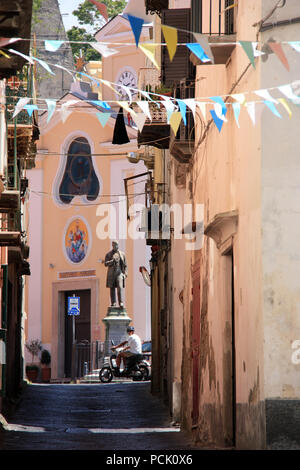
x=130, y=328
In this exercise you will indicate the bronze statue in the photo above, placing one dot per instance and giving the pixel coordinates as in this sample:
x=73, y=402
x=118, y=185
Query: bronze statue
x=117, y=272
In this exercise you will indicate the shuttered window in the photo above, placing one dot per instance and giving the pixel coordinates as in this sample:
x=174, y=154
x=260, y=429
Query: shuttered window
x=181, y=66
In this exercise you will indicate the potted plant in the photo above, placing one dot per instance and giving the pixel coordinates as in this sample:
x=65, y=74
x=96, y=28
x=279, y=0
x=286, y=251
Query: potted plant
x=32, y=370
x=45, y=363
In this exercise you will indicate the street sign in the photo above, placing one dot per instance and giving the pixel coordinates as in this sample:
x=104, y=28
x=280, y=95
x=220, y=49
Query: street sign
x=73, y=305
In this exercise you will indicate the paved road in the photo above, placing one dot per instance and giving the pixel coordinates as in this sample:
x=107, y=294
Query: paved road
x=122, y=416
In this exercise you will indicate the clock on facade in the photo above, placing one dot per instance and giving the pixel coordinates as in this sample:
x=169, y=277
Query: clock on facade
x=127, y=78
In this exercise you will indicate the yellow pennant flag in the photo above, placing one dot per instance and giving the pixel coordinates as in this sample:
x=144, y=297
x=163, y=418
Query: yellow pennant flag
x=149, y=51
x=5, y=55
x=286, y=106
x=125, y=106
x=175, y=121
x=171, y=37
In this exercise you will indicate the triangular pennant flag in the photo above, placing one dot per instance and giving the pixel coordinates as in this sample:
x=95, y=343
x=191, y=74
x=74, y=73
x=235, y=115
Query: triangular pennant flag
x=248, y=48
x=102, y=8
x=220, y=109
x=239, y=97
x=288, y=92
x=272, y=107
x=64, y=68
x=218, y=122
x=277, y=49
x=4, y=54
x=26, y=57
x=128, y=92
x=202, y=107
x=52, y=46
x=256, y=53
x=103, y=104
x=175, y=121
x=191, y=103
x=294, y=44
x=120, y=135
x=20, y=105
x=149, y=51
x=203, y=41
x=51, y=104
x=198, y=50
x=136, y=26
x=5, y=41
x=104, y=50
x=171, y=37
x=146, y=95
x=170, y=107
x=103, y=118
x=286, y=106
x=65, y=111
x=140, y=119
x=266, y=95
x=125, y=105
x=144, y=105
x=251, y=111
x=43, y=64
x=90, y=77
x=236, y=109
x=30, y=108
x=182, y=107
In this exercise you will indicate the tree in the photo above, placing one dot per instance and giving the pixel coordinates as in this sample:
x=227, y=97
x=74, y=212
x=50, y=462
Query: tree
x=88, y=14
x=87, y=51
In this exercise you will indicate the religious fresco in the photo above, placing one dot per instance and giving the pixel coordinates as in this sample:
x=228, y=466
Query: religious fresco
x=76, y=240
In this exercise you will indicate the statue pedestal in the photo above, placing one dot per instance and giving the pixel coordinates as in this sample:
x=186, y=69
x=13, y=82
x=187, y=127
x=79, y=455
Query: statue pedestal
x=116, y=322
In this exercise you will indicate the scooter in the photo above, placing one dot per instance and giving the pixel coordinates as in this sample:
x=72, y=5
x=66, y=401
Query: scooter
x=136, y=368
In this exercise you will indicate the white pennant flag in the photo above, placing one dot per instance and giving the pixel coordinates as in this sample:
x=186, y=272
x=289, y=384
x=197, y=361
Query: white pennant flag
x=144, y=105
x=140, y=119
x=104, y=50
x=191, y=103
x=256, y=53
x=239, y=97
x=20, y=105
x=127, y=90
x=51, y=104
x=219, y=112
x=265, y=95
x=26, y=57
x=288, y=92
x=170, y=107
x=251, y=111
x=202, y=107
x=65, y=111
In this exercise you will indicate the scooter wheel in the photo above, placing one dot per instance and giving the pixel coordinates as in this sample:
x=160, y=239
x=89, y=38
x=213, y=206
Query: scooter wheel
x=145, y=372
x=105, y=375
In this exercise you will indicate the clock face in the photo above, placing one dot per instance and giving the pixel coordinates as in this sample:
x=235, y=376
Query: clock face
x=127, y=78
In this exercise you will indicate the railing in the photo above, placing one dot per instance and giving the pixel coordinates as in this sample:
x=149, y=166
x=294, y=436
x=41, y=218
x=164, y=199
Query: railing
x=185, y=89
x=19, y=86
x=213, y=17
x=148, y=80
x=10, y=222
x=89, y=357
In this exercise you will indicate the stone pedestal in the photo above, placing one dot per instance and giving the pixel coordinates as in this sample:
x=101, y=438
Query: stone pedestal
x=116, y=322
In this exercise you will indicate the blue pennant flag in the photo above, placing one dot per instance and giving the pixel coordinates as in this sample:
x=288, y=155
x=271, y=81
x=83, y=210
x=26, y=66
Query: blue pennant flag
x=272, y=107
x=136, y=26
x=218, y=122
x=182, y=107
x=30, y=108
x=198, y=50
x=103, y=104
x=103, y=118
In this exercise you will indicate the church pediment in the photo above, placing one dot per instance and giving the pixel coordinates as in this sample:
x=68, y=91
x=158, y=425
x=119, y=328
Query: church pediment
x=119, y=27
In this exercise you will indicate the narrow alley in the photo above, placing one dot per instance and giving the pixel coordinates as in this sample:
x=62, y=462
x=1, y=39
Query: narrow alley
x=119, y=416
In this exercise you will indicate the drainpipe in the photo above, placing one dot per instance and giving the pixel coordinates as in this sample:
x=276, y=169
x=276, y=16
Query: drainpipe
x=268, y=26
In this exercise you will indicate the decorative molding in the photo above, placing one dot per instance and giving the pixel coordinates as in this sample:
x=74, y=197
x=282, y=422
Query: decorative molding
x=222, y=229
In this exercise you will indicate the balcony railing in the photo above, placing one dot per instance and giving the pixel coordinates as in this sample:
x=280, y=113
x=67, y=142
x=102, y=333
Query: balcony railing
x=182, y=144
x=19, y=86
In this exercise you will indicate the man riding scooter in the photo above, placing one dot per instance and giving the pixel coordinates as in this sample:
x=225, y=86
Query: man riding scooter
x=130, y=352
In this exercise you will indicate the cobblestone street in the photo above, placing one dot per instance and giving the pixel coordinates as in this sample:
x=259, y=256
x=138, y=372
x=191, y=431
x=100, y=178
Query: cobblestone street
x=122, y=416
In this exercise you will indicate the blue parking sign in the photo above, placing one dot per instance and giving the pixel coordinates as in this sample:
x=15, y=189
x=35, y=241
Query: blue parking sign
x=74, y=305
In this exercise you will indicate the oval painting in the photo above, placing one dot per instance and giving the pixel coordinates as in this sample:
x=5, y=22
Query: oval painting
x=76, y=240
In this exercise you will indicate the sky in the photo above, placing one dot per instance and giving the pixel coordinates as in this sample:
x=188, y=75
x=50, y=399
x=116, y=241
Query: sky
x=67, y=6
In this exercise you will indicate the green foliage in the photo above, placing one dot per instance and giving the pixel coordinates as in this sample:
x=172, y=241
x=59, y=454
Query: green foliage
x=87, y=51
x=36, y=5
x=45, y=357
x=88, y=14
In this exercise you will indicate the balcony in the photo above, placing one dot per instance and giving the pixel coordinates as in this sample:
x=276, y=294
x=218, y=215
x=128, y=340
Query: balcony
x=216, y=19
x=15, y=20
x=10, y=228
x=182, y=144
x=156, y=6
